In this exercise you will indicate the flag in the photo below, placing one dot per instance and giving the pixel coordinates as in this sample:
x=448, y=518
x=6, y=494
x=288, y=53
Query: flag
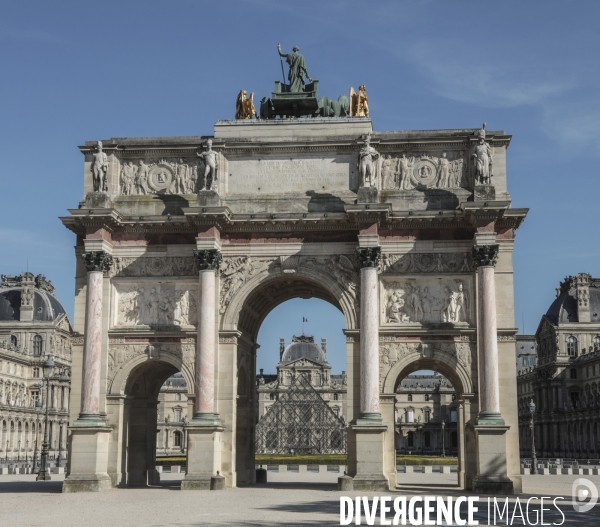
x=304, y=319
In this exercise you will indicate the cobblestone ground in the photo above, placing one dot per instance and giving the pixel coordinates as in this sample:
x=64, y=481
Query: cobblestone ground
x=288, y=499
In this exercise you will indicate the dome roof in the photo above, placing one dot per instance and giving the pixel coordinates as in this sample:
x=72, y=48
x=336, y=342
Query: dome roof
x=46, y=308
x=303, y=347
x=564, y=308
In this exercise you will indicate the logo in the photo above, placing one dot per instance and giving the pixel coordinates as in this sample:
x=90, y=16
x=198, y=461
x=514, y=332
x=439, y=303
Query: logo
x=582, y=491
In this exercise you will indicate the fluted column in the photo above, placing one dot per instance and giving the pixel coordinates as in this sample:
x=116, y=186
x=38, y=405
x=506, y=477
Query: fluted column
x=207, y=263
x=96, y=263
x=485, y=257
x=369, y=333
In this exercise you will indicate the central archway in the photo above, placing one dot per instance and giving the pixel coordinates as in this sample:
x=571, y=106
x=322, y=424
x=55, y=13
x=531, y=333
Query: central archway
x=240, y=324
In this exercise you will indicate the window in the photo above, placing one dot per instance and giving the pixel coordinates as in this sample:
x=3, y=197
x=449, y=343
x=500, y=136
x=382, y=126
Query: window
x=453, y=397
x=596, y=342
x=13, y=340
x=410, y=416
x=336, y=396
x=574, y=399
x=410, y=396
x=427, y=397
x=453, y=416
x=573, y=373
x=178, y=397
x=427, y=439
x=572, y=346
x=427, y=416
x=178, y=415
x=177, y=439
x=454, y=439
x=37, y=345
x=336, y=411
x=36, y=372
x=411, y=439
x=272, y=396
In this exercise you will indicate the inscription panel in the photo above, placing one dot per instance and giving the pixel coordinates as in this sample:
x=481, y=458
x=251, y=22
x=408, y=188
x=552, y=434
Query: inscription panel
x=277, y=175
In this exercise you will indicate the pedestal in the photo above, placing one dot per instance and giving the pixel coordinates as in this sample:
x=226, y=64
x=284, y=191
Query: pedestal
x=208, y=198
x=491, y=461
x=368, y=445
x=88, y=459
x=203, y=458
x=484, y=193
x=97, y=200
x=367, y=195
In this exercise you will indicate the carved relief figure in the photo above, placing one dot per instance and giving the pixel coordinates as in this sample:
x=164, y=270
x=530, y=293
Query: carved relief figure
x=141, y=180
x=404, y=166
x=367, y=164
x=387, y=172
x=211, y=166
x=99, y=169
x=128, y=176
x=443, y=172
x=482, y=156
x=180, y=177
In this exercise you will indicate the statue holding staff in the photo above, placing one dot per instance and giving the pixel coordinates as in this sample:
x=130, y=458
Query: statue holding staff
x=298, y=69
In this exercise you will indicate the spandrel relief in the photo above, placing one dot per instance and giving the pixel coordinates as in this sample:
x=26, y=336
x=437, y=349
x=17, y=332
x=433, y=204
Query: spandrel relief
x=426, y=301
x=408, y=171
x=156, y=305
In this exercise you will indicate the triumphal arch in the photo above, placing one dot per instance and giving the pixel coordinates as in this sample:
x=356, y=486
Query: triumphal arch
x=185, y=244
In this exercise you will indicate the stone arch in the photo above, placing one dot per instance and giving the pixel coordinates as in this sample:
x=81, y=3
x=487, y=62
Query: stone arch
x=260, y=294
x=416, y=358
x=117, y=386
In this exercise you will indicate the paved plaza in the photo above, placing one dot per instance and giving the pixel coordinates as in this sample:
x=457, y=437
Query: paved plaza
x=287, y=499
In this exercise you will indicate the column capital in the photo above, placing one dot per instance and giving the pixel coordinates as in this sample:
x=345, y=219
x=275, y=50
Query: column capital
x=97, y=260
x=368, y=256
x=486, y=255
x=207, y=259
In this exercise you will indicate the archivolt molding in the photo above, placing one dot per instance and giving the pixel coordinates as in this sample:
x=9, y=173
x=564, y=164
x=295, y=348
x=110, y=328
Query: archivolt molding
x=458, y=357
x=243, y=275
x=123, y=358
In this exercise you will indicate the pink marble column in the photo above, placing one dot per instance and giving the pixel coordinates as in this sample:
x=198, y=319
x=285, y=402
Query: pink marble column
x=207, y=262
x=369, y=333
x=485, y=257
x=96, y=262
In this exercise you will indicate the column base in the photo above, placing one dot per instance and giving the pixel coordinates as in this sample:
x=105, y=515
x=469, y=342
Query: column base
x=492, y=477
x=203, y=454
x=205, y=419
x=368, y=438
x=88, y=459
x=490, y=418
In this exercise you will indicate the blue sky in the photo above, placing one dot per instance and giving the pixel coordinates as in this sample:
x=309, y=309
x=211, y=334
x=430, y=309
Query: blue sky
x=75, y=71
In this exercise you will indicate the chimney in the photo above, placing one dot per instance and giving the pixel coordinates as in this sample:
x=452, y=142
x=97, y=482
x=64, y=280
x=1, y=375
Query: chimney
x=27, y=287
x=281, y=348
x=324, y=347
x=582, y=282
x=261, y=372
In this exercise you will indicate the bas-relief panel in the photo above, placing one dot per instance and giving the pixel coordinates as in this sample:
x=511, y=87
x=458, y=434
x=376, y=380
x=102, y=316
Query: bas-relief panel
x=162, y=176
x=155, y=304
x=423, y=300
x=153, y=266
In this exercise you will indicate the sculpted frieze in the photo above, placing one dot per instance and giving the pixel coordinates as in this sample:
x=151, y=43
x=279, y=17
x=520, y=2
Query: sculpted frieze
x=153, y=266
x=235, y=271
x=163, y=176
x=427, y=263
x=425, y=301
x=156, y=304
x=445, y=170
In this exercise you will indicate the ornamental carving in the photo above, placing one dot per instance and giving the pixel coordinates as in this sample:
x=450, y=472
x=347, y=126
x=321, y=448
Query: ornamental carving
x=235, y=272
x=154, y=266
x=427, y=263
x=207, y=259
x=158, y=177
x=97, y=261
x=120, y=354
x=485, y=255
x=425, y=301
x=343, y=269
x=368, y=256
x=450, y=353
x=157, y=304
x=444, y=170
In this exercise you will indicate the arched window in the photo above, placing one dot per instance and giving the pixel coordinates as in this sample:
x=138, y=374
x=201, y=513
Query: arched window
x=336, y=396
x=37, y=345
x=572, y=346
x=177, y=439
x=13, y=340
x=427, y=439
